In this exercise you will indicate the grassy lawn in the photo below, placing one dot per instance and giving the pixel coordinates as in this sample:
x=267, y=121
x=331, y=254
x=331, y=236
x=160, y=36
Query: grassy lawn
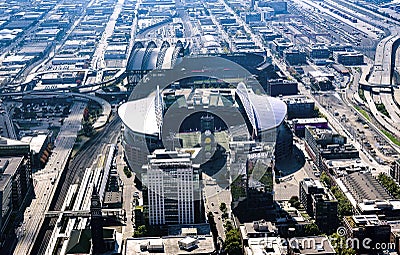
x=363, y=112
x=391, y=137
x=382, y=109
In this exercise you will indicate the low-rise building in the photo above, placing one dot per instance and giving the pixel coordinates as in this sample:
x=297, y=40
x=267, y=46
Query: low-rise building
x=318, y=51
x=326, y=144
x=321, y=80
x=280, y=7
x=348, y=58
x=340, y=167
x=203, y=245
x=40, y=146
x=265, y=245
x=277, y=87
x=311, y=245
x=395, y=170
x=299, y=107
x=279, y=45
x=295, y=56
x=299, y=125
x=362, y=227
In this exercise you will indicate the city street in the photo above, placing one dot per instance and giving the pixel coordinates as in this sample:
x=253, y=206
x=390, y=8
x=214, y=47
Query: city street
x=47, y=179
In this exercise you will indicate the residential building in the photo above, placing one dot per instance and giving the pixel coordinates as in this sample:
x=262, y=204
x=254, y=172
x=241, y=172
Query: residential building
x=15, y=181
x=325, y=212
x=173, y=187
x=307, y=188
x=361, y=227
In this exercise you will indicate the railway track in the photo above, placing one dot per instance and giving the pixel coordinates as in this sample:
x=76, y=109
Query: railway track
x=75, y=170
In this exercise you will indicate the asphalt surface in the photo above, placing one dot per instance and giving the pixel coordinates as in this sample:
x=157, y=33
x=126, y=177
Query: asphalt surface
x=74, y=173
x=46, y=180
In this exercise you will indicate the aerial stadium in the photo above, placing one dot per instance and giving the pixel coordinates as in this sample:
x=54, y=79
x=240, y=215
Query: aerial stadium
x=169, y=107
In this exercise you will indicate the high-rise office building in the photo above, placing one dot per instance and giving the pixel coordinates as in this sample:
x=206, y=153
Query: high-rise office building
x=173, y=188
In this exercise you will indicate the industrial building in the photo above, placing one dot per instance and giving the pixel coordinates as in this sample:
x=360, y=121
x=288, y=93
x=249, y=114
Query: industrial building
x=324, y=143
x=370, y=197
x=294, y=56
x=348, y=58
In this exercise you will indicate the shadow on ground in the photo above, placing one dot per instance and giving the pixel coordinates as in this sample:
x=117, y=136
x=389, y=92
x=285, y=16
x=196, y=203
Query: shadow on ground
x=291, y=165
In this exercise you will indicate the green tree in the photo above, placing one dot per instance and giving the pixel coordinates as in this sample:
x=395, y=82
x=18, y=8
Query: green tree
x=339, y=243
x=390, y=185
x=294, y=202
x=87, y=128
x=127, y=172
x=344, y=206
x=326, y=179
x=228, y=226
x=311, y=230
x=222, y=207
x=140, y=231
x=232, y=244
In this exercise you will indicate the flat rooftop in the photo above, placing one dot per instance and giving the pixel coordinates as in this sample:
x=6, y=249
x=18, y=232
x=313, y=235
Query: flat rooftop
x=363, y=186
x=205, y=245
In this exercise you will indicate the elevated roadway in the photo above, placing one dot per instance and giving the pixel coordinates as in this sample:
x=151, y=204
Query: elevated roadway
x=101, y=120
x=381, y=73
x=380, y=83
x=46, y=181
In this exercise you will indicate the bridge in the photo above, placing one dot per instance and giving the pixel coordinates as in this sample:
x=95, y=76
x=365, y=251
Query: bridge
x=119, y=213
x=382, y=70
x=378, y=85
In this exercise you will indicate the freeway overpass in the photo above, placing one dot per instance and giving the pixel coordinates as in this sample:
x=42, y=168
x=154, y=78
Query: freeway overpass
x=378, y=85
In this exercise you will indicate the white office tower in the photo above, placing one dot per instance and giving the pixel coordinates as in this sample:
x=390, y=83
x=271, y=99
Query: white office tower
x=173, y=187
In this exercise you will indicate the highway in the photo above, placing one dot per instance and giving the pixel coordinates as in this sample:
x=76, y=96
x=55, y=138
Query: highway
x=76, y=167
x=381, y=74
x=98, y=57
x=47, y=179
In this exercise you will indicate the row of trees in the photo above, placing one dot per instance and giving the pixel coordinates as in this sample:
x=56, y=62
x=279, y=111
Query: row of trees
x=344, y=206
x=389, y=184
x=232, y=244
